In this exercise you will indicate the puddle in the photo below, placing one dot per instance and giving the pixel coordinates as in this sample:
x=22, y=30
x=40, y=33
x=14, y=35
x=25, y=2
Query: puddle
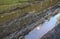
x=41, y=30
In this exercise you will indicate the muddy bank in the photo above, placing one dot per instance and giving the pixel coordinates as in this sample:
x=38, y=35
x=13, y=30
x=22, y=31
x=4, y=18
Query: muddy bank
x=15, y=29
x=12, y=12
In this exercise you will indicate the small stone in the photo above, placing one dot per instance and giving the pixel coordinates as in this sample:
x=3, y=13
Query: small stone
x=22, y=37
x=2, y=16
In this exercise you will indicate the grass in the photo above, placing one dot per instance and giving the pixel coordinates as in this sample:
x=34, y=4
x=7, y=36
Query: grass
x=6, y=2
x=7, y=7
x=34, y=7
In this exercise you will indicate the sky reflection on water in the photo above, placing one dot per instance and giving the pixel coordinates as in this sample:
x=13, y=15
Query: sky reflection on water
x=43, y=29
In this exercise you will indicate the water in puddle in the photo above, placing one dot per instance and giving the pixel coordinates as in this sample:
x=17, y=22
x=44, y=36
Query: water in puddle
x=41, y=30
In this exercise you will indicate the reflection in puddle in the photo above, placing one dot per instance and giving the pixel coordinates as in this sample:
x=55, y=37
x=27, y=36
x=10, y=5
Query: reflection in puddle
x=43, y=29
x=38, y=28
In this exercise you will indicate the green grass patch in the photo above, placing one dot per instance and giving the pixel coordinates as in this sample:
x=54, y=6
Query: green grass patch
x=8, y=7
x=4, y=2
